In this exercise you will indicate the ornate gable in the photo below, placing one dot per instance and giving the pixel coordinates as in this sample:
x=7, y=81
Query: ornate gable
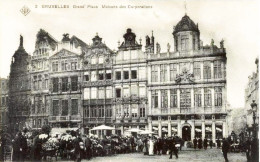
x=63, y=53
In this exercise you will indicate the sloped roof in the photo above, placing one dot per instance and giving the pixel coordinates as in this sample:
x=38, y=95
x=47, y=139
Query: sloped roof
x=42, y=35
x=186, y=24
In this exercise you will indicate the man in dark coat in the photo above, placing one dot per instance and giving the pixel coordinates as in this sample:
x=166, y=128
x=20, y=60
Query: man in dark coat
x=225, y=148
x=200, y=143
x=218, y=143
x=195, y=143
x=88, y=144
x=159, y=145
x=211, y=143
x=255, y=150
x=205, y=143
x=172, y=147
x=247, y=147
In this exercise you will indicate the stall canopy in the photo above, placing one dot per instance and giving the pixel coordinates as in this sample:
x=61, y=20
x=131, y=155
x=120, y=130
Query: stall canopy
x=208, y=129
x=147, y=132
x=174, y=129
x=134, y=130
x=103, y=127
x=62, y=130
x=218, y=129
x=198, y=130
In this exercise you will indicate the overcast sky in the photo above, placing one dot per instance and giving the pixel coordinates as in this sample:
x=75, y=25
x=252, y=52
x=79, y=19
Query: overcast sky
x=236, y=21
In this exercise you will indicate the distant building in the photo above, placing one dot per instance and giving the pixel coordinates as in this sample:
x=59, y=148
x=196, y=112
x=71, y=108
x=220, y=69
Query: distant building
x=252, y=94
x=3, y=103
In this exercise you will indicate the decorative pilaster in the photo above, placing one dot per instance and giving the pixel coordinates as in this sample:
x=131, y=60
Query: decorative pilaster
x=203, y=127
x=192, y=128
x=179, y=126
x=159, y=127
x=169, y=126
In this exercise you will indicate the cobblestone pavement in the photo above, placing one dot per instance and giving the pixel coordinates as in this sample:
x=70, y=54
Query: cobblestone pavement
x=208, y=155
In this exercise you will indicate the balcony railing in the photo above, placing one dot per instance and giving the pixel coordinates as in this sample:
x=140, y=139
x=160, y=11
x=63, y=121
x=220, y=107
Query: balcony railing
x=64, y=118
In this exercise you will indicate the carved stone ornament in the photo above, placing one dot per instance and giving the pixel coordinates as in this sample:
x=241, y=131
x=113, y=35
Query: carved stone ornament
x=184, y=77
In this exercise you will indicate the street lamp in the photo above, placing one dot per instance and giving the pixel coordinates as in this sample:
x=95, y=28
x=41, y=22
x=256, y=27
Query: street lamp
x=254, y=109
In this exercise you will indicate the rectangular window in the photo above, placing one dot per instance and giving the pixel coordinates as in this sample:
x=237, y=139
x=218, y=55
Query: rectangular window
x=126, y=110
x=134, y=90
x=185, y=98
x=108, y=75
x=118, y=75
x=86, y=77
x=108, y=111
x=134, y=110
x=74, y=83
x=40, y=84
x=207, y=70
x=74, y=107
x=218, y=96
x=109, y=92
x=55, y=66
x=164, y=99
x=184, y=43
x=101, y=60
x=46, y=83
x=101, y=93
x=173, y=99
x=197, y=70
x=100, y=75
x=93, y=93
x=207, y=97
x=217, y=69
x=154, y=73
x=86, y=93
x=93, y=76
x=133, y=74
x=65, y=109
x=163, y=73
x=197, y=97
x=126, y=74
x=126, y=92
x=74, y=66
x=55, y=84
x=65, y=84
x=55, y=107
x=142, y=111
x=64, y=65
x=155, y=99
x=35, y=85
x=118, y=93
x=93, y=60
x=118, y=111
x=173, y=71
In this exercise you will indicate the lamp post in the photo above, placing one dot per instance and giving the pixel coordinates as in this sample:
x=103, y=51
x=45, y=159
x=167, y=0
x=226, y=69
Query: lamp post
x=254, y=109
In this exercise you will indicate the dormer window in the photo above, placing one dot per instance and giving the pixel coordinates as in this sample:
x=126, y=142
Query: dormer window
x=184, y=43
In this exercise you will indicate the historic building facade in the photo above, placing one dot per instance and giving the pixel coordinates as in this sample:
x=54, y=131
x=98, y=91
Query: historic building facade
x=19, y=89
x=181, y=91
x=187, y=87
x=252, y=95
x=129, y=85
x=3, y=103
x=97, y=84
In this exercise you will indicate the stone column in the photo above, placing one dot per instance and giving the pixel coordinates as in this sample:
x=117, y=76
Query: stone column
x=179, y=126
x=168, y=73
x=213, y=99
x=213, y=131
x=201, y=69
x=159, y=127
x=149, y=74
x=159, y=72
x=169, y=126
x=150, y=127
x=203, y=127
x=159, y=100
x=224, y=127
x=202, y=98
x=192, y=100
x=192, y=128
x=212, y=69
x=169, y=100
x=178, y=100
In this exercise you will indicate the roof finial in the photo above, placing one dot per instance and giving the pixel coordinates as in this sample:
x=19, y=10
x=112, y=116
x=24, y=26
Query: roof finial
x=185, y=7
x=96, y=33
x=21, y=40
x=152, y=32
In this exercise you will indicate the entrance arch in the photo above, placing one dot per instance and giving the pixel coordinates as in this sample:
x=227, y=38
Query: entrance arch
x=186, y=133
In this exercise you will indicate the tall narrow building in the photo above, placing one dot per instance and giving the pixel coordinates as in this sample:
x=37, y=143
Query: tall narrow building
x=19, y=89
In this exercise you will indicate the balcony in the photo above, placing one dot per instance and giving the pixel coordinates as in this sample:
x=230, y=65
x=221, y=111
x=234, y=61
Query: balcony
x=75, y=118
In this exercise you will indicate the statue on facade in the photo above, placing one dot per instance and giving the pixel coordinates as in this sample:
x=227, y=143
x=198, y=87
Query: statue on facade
x=21, y=40
x=158, y=48
x=222, y=43
x=168, y=47
x=212, y=42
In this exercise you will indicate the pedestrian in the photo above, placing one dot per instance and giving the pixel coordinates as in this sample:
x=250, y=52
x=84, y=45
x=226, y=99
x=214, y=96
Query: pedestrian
x=145, y=148
x=211, y=143
x=88, y=144
x=159, y=146
x=218, y=143
x=151, y=146
x=255, y=150
x=195, y=143
x=225, y=148
x=200, y=143
x=247, y=147
x=205, y=143
x=172, y=147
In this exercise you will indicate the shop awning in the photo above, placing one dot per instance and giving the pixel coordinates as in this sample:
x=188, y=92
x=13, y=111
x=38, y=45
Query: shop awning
x=198, y=130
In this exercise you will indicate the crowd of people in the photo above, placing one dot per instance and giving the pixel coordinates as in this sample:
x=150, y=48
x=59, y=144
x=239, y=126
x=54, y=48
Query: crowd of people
x=38, y=145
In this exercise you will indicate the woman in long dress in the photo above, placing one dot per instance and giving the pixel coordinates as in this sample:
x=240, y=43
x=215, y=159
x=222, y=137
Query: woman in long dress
x=151, y=146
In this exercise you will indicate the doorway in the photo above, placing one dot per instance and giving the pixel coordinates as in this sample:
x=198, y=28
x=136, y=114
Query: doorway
x=186, y=133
